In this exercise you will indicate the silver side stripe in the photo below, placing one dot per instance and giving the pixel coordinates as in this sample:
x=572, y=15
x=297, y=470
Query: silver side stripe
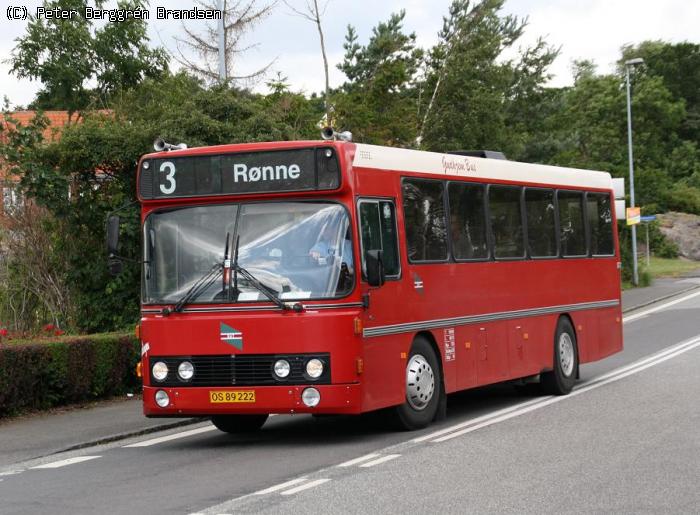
x=270, y=307
x=487, y=317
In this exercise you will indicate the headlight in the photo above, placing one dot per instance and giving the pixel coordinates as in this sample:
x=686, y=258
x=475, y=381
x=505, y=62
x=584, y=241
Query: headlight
x=185, y=370
x=162, y=398
x=311, y=397
x=160, y=371
x=282, y=368
x=314, y=368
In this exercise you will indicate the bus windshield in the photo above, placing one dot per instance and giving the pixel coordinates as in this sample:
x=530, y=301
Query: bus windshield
x=297, y=250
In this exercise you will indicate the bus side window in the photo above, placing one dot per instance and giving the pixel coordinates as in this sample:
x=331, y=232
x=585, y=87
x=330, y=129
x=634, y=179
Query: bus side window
x=600, y=222
x=541, y=226
x=467, y=221
x=424, y=218
x=506, y=222
x=572, y=231
x=378, y=232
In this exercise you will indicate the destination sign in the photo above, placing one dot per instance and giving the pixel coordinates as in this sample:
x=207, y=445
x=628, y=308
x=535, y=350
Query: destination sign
x=305, y=169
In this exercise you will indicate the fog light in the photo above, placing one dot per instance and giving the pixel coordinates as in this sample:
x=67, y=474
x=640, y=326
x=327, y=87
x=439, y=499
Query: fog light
x=310, y=396
x=185, y=370
x=282, y=368
x=162, y=399
x=314, y=368
x=160, y=371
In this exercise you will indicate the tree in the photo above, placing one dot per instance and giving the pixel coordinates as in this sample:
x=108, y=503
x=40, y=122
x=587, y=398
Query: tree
x=678, y=64
x=478, y=99
x=96, y=159
x=33, y=286
x=68, y=55
x=313, y=13
x=239, y=18
x=377, y=101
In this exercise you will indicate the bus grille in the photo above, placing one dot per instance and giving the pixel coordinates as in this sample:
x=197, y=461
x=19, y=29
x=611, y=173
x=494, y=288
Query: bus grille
x=241, y=370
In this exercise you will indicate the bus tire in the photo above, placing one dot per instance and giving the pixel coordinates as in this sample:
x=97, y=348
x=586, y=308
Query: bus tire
x=561, y=379
x=423, y=388
x=236, y=424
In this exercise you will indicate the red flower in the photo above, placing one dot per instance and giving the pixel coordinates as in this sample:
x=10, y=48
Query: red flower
x=49, y=327
x=3, y=332
x=58, y=332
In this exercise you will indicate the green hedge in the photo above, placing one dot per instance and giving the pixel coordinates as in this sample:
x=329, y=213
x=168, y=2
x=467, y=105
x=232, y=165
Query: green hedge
x=43, y=374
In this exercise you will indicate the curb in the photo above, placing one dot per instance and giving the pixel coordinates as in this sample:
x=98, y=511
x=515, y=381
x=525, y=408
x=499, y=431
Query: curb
x=659, y=299
x=123, y=436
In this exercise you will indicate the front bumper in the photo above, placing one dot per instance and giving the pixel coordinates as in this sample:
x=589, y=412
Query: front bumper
x=194, y=401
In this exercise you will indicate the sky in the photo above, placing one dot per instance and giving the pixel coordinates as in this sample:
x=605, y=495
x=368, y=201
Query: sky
x=582, y=29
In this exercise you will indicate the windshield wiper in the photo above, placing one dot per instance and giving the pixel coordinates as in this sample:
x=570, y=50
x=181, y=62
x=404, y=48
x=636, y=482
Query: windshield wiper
x=259, y=286
x=238, y=269
x=203, y=282
x=199, y=286
x=210, y=277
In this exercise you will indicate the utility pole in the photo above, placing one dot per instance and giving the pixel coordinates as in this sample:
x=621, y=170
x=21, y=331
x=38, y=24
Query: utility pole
x=628, y=64
x=222, y=42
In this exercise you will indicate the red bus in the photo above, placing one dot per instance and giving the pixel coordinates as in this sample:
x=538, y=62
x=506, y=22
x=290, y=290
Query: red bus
x=331, y=277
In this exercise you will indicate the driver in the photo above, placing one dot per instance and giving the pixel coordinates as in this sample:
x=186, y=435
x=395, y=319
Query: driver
x=324, y=249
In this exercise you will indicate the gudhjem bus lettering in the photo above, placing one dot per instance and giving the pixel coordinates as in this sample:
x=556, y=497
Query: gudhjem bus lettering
x=265, y=173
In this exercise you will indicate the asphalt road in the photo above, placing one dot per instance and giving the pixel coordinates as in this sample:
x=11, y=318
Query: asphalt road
x=627, y=440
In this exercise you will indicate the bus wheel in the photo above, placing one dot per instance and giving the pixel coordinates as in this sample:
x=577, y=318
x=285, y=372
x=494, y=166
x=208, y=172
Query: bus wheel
x=238, y=423
x=423, y=387
x=561, y=379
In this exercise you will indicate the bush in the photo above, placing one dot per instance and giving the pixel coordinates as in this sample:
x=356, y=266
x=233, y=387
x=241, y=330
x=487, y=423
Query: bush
x=43, y=374
x=661, y=246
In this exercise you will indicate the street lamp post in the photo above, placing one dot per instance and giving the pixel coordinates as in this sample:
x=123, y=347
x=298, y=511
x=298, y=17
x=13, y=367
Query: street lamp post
x=629, y=64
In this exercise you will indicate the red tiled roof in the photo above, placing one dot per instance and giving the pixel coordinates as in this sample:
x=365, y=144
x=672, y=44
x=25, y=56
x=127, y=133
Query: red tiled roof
x=57, y=120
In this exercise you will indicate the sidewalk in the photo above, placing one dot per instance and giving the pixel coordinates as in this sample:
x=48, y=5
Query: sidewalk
x=41, y=435
x=636, y=298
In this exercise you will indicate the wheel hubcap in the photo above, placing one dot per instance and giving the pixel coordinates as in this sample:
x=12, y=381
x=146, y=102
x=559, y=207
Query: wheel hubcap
x=420, y=382
x=566, y=354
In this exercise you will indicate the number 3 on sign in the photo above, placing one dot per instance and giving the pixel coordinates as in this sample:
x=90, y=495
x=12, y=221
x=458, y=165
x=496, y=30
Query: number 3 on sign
x=168, y=167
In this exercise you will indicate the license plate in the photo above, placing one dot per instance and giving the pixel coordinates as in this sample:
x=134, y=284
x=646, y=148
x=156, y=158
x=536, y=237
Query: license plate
x=237, y=396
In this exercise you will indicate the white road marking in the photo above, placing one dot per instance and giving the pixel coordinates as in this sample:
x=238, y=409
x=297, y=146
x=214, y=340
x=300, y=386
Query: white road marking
x=472, y=421
x=636, y=316
x=653, y=357
x=591, y=385
x=281, y=486
x=176, y=436
x=64, y=463
x=358, y=460
x=304, y=487
x=381, y=460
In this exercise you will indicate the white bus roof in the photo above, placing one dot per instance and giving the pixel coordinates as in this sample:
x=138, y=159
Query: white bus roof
x=404, y=160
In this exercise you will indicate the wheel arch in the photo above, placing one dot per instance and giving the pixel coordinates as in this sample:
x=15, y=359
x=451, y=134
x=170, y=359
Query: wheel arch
x=441, y=413
x=433, y=343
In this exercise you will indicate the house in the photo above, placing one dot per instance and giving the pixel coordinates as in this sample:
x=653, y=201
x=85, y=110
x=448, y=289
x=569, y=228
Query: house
x=11, y=196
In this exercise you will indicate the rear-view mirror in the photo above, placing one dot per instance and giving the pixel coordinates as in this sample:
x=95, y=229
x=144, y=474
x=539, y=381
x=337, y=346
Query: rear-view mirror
x=113, y=236
x=375, y=268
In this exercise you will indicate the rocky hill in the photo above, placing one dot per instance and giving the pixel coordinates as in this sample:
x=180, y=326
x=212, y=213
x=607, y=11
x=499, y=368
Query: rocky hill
x=684, y=230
